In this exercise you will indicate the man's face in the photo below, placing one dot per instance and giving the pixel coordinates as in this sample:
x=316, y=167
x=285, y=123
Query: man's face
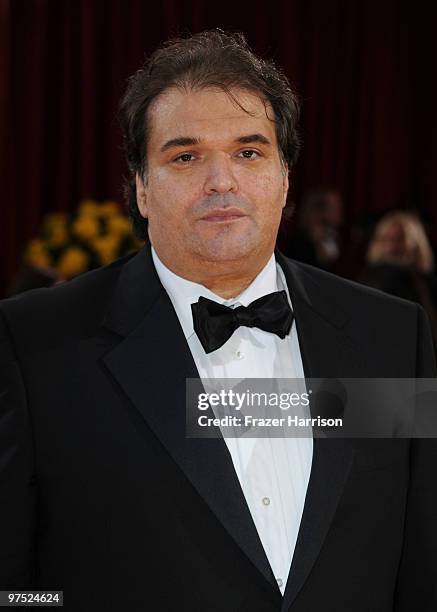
x=215, y=185
x=393, y=241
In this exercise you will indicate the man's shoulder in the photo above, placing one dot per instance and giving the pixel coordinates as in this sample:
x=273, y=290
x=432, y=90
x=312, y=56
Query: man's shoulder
x=74, y=305
x=347, y=295
x=387, y=332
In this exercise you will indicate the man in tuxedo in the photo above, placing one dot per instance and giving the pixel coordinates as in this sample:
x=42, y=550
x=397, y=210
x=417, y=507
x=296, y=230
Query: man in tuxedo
x=102, y=494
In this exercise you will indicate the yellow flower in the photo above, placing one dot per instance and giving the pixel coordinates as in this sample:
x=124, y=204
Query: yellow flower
x=72, y=262
x=106, y=248
x=119, y=225
x=36, y=254
x=109, y=209
x=86, y=227
x=57, y=236
x=36, y=246
x=55, y=229
x=88, y=207
x=39, y=260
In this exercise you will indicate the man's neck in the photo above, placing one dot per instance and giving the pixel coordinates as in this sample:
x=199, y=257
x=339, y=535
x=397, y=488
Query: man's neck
x=225, y=283
x=229, y=288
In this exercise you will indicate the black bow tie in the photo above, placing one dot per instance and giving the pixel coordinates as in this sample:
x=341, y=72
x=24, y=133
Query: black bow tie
x=215, y=323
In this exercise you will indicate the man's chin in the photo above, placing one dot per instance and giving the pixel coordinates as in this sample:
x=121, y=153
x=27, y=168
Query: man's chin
x=227, y=251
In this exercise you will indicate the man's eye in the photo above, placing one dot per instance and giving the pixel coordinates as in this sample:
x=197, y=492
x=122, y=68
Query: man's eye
x=184, y=158
x=249, y=154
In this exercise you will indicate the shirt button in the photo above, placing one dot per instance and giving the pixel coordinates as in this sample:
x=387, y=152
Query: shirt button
x=266, y=501
x=239, y=355
x=279, y=581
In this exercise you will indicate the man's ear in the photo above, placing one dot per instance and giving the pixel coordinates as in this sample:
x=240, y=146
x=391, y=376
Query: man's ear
x=141, y=196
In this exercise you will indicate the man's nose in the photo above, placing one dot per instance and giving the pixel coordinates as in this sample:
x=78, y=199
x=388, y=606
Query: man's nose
x=220, y=177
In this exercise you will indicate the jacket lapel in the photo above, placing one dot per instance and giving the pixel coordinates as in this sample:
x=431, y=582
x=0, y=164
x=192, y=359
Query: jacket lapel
x=326, y=351
x=151, y=365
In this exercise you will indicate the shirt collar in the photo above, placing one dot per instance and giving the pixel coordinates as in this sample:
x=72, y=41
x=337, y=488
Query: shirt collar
x=183, y=292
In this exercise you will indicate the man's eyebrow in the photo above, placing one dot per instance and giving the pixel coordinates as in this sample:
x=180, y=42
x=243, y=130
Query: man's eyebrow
x=253, y=138
x=181, y=141
x=187, y=141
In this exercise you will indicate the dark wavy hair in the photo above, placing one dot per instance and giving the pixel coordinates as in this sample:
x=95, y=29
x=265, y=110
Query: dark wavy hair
x=208, y=59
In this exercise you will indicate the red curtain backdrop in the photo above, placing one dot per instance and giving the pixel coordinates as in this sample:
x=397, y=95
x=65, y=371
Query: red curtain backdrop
x=365, y=70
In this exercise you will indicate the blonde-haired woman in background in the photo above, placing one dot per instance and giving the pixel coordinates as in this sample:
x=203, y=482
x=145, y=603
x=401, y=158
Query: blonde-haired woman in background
x=400, y=261
x=400, y=238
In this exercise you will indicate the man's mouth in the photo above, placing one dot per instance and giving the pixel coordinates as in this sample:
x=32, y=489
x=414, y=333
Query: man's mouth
x=223, y=215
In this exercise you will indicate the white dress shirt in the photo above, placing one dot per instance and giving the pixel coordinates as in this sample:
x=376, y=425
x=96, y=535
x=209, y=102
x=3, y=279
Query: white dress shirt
x=273, y=472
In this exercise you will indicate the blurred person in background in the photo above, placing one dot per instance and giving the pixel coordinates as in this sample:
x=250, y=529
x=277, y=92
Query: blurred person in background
x=400, y=261
x=317, y=241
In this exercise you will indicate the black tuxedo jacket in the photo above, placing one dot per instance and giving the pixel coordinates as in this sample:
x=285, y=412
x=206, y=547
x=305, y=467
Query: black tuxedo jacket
x=103, y=496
